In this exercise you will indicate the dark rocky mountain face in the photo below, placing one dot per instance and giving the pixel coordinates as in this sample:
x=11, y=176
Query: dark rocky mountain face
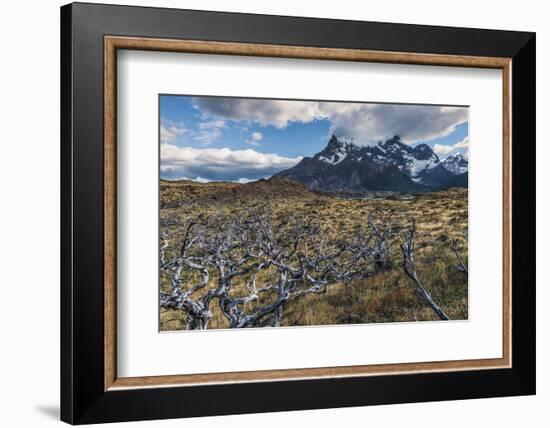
x=460, y=180
x=345, y=167
x=434, y=177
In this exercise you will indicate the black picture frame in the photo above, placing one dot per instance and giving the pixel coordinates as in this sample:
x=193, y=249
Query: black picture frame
x=83, y=399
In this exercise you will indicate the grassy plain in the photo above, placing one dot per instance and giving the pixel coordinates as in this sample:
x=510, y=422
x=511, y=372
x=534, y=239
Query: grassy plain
x=441, y=218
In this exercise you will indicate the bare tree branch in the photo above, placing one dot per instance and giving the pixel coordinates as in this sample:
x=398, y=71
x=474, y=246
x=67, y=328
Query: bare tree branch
x=461, y=267
x=407, y=250
x=296, y=252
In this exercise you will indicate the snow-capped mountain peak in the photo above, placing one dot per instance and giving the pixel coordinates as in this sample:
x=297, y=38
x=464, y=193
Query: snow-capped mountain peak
x=336, y=151
x=391, y=165
x=411, y=160
x=457, y=164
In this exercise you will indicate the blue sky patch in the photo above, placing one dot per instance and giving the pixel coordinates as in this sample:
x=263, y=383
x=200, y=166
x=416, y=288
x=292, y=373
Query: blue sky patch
x=243, y=139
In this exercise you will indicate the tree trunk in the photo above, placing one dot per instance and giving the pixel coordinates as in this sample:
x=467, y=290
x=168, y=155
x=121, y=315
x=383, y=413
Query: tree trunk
x=277, y=317
x=197, y=322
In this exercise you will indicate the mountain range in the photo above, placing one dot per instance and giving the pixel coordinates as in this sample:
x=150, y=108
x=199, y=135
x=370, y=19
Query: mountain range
x=391, y=165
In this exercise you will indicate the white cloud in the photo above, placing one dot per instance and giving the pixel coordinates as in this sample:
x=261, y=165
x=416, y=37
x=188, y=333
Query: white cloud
x=278, y=113
x=209, y=131
x=212, y=124
x=220, y=164
x=243, y=180
x=368, y=123
x=169, y=132
x=442, y=149
x=255, y=138
x=201, y=180
x=364, y=123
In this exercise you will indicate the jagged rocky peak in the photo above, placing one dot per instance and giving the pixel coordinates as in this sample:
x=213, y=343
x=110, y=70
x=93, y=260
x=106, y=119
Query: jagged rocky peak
x=392, y=151
x=343, y=166
x=424, y=152
x=457, y=163
x=394, y=142
x=335, y=151
x=456, y=158
x=334, y=143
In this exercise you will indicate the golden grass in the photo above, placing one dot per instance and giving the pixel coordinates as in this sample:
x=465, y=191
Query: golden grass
x=441, y=218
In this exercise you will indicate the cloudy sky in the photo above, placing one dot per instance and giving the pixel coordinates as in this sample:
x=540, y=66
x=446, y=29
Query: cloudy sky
x=243, y=139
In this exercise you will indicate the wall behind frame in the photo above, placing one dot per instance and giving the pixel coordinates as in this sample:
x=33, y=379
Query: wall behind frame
x=29, y=220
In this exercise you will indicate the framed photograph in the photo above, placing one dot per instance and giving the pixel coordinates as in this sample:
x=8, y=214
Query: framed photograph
x=265, y=213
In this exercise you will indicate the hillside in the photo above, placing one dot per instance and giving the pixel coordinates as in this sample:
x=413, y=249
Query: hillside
x=181, y=192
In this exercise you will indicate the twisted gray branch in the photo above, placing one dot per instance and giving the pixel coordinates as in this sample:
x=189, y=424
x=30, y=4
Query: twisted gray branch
x=407, y=250
x=298, y=252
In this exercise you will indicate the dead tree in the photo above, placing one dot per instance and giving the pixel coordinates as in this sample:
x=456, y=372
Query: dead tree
x=300, y=259
x=197, y=308
x=407, y=250
x=460, y=266
x=296, y=255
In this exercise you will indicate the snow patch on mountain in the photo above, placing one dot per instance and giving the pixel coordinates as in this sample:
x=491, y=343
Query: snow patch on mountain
x=419, y=163
x=336, y=151
x=416, y=166
x=457, y=164
x=334, y=158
